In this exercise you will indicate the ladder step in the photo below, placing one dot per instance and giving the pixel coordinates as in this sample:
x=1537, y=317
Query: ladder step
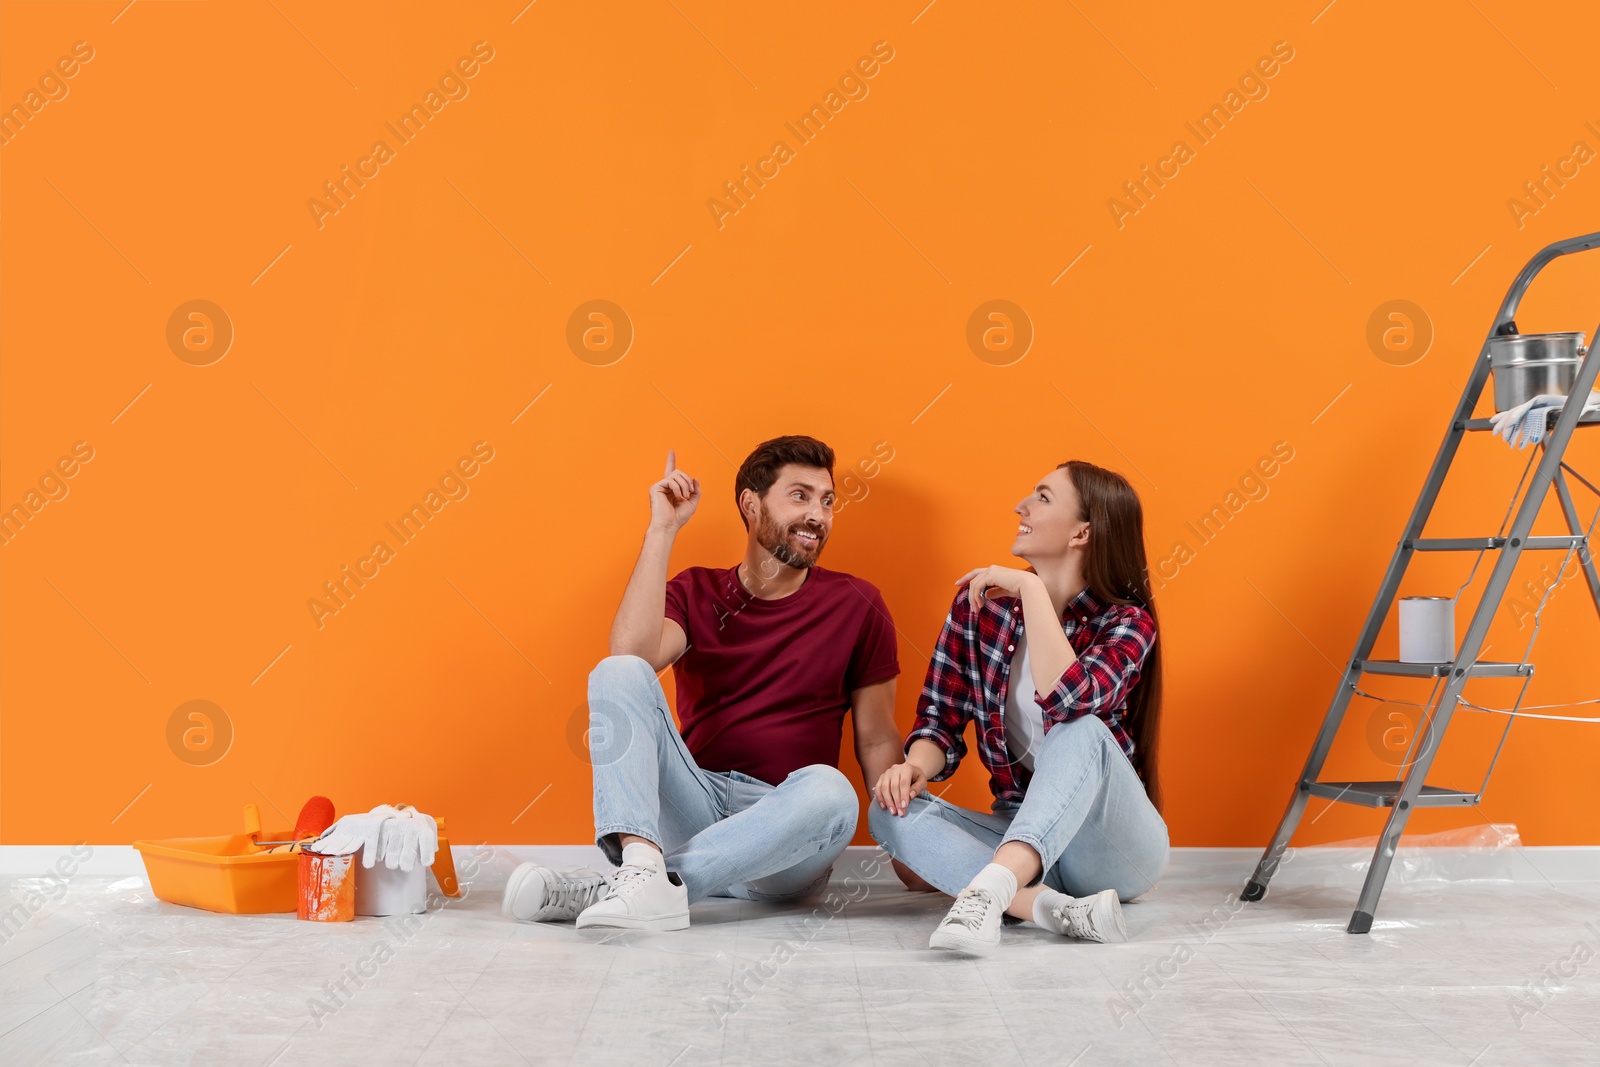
x=1591, y=418
x=1383, y=794
x=1479, y=544
x=1481, y=669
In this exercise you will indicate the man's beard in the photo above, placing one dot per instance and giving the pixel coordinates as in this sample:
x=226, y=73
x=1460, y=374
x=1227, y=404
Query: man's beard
x=775, y=540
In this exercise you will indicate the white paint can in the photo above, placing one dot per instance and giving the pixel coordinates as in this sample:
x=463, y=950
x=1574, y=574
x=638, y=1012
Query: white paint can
x=1427, y=629
x=381, y=891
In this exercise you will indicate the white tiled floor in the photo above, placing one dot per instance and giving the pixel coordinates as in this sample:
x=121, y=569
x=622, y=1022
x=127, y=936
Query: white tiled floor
x=111, y=976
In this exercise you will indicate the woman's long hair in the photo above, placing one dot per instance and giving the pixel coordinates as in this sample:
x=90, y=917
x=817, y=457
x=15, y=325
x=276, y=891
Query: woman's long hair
x=1116, y=572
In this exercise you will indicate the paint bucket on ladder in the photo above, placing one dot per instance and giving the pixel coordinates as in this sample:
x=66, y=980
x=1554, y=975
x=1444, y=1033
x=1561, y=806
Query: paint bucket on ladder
x=1427, y=629
x=327, y=888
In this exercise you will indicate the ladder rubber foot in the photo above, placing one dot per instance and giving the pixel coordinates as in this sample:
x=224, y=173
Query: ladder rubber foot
x=1360, y=923
x=1254, y=891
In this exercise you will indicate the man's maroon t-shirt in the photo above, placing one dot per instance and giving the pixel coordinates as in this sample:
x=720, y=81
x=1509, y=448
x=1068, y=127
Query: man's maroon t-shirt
x=764, y=684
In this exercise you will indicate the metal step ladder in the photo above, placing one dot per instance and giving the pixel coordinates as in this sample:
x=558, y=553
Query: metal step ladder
x=1401, y=797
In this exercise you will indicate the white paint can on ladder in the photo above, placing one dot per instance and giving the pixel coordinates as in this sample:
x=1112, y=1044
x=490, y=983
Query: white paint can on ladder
x=1427, y=629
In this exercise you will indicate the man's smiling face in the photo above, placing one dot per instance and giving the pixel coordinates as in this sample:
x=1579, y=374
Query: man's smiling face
x=795, y=516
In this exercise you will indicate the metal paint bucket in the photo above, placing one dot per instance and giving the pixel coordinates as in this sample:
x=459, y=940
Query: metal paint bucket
x=1528, y=364
x=1427, y=629
x=327, y=888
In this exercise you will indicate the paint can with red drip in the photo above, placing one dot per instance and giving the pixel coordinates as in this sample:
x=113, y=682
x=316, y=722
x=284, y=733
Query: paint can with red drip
x=327, y=888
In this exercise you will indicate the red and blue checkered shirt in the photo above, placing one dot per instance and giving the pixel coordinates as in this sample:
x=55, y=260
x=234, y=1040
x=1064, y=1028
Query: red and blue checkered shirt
x=971, y=667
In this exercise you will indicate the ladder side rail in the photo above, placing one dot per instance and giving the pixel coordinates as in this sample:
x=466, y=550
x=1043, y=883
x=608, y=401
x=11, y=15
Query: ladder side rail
x=1575, y=524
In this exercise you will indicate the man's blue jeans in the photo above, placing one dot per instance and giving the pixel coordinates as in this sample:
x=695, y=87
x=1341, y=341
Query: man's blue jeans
x=723, y=832
x=1086, y=815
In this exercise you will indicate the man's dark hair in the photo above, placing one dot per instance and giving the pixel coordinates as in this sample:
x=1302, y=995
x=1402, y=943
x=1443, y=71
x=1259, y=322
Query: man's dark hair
x=760, y=468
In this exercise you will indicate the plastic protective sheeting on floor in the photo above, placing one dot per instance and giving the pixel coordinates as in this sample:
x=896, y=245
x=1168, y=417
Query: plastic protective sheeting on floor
x=1486, y=852
x=1455, y=971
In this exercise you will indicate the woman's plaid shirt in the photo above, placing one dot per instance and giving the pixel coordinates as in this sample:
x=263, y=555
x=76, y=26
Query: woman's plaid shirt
x=971, y=667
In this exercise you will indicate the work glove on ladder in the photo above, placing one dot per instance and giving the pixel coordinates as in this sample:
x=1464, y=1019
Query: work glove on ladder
x=1524, y=424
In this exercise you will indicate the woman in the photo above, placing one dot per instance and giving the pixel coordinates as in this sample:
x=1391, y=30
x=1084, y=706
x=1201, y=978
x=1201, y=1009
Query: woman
x=1059, y=667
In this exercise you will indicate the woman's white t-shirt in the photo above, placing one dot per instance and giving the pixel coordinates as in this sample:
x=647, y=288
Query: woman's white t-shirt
x=1024, y=721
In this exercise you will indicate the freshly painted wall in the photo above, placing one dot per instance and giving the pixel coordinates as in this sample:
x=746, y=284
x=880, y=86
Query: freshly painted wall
x=400, y=317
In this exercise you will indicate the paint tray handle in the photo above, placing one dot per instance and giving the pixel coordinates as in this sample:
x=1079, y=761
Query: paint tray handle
x=444, y=865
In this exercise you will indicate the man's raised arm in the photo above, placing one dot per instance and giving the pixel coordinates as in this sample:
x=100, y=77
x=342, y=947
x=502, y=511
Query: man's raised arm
x=641, y=627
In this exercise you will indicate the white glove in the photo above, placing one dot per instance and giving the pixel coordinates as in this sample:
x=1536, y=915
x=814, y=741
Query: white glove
x=1507, y=423
x=409, y=837
x=363, y=831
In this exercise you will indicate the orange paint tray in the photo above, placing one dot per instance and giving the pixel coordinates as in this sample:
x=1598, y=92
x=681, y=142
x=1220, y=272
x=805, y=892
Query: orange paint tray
x=231, y=874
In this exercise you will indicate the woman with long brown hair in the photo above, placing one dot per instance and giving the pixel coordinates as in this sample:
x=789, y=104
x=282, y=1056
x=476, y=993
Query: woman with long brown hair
x=1059, y=667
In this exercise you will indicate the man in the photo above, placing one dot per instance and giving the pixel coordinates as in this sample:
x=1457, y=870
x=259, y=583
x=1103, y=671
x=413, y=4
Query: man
x=748, y=800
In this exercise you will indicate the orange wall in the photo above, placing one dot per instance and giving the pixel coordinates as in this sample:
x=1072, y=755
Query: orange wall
x=374, y=346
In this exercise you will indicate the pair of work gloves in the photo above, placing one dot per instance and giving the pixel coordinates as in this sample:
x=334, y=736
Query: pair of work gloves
x=1524, y=424
x=402, y=837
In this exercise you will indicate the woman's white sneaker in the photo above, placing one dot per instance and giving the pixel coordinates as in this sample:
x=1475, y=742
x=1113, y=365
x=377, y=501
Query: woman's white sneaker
x=536, y=893
x=971, y=925
x=1096, y=918
x=642, y=896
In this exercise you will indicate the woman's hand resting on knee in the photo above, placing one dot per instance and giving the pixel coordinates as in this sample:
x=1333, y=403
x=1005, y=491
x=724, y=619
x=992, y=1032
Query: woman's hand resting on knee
x=897, y=785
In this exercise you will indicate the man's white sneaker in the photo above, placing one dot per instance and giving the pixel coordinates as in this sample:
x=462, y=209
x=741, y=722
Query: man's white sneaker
x=535, y=893
x=971, y=925
x=1096, y=918
x=642, y=896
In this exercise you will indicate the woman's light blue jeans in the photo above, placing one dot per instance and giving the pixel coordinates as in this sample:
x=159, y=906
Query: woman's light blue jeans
x=724, y=833
x=1085, y=813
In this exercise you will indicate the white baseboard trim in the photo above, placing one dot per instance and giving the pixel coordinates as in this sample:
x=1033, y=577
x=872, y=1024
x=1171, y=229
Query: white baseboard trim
x=1552, y=863
x=109, y=861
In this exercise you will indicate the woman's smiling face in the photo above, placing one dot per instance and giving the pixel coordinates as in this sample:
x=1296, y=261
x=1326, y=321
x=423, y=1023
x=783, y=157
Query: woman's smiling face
x=1049, y=525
